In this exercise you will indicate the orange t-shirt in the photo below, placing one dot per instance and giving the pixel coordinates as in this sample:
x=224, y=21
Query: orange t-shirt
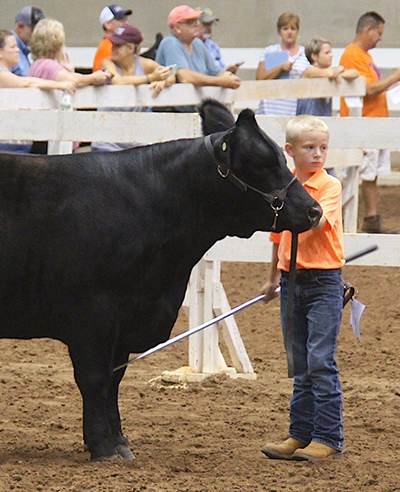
x=362, y=61
x=103, y=52
x=322, y=249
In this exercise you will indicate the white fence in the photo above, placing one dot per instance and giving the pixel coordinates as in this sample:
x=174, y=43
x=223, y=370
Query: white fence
x=33, y=114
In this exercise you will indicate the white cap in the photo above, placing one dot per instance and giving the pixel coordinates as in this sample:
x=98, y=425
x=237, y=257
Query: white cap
x=113, y=11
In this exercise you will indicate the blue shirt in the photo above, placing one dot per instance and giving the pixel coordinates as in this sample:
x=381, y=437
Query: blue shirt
x=317, y=107
x=171, y=51
x=216, y=52
x=22, y=67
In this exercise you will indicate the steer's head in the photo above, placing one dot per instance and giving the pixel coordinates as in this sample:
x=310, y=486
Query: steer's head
x=245, y=149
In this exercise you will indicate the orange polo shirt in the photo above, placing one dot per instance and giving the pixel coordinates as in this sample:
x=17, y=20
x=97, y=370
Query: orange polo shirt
x=362, y=61
x=103, y=52
x=322, y=249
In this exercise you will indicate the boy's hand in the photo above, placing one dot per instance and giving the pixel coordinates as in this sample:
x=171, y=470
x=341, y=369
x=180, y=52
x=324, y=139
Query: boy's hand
x=269, y=290
x=336, y=72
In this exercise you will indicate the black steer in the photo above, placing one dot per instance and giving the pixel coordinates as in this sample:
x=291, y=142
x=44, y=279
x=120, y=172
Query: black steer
x=96, y=249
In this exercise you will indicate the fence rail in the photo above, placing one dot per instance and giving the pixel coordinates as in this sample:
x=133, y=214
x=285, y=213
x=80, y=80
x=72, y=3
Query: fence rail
x=178, y=94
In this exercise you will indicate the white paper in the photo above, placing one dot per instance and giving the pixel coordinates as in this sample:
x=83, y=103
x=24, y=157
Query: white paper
x=356, y=310
x=394, y=95
x=353, y=102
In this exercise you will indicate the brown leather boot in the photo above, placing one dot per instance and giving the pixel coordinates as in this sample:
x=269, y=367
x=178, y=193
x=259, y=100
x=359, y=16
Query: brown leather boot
x=375, y=225
x=283, y=451
x=316, y=451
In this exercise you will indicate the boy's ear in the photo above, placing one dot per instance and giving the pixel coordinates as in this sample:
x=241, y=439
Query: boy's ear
x=314, y=57
x=289, y=149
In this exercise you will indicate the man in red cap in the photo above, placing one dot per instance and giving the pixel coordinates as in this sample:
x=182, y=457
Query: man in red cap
x=195, y=64
x=111, y=18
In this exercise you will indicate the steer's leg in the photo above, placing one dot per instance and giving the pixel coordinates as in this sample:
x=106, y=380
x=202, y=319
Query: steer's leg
x=93, y=364
x=120, y=441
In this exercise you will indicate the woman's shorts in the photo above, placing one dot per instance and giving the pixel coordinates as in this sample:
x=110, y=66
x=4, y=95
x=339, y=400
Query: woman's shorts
x=376, y=162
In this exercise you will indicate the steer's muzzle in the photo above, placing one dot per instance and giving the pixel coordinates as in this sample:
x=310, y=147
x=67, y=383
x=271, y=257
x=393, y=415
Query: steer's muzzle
x=314, y=214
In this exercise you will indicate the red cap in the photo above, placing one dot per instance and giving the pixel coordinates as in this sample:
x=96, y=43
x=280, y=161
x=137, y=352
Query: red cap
x=126, y=34
x=182, y=13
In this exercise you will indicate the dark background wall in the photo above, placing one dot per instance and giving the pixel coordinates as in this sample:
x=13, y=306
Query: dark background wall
x=245, y=23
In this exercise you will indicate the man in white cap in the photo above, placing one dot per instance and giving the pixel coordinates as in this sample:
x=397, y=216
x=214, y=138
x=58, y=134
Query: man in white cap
x=111, y=17
x=25, y=21
x=194, y=62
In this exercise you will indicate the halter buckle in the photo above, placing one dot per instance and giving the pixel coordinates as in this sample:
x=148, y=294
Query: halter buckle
x=221, y=173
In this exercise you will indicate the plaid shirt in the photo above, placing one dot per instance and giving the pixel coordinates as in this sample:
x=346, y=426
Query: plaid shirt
x=216, y=52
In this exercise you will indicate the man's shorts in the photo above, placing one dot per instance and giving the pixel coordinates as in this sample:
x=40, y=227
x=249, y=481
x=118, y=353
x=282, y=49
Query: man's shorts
x=376, y=162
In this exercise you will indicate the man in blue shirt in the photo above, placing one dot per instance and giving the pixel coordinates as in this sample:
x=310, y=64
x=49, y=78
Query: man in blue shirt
x=207, y=21
x=25, y=21
x=194, y=62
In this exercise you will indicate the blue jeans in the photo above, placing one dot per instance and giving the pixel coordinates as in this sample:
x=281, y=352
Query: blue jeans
x=316, y=404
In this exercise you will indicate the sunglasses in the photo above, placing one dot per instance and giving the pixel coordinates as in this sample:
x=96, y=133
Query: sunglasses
x=190, y=22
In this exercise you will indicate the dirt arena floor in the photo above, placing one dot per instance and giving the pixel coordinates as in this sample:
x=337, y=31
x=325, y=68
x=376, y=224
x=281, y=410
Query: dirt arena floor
x=207, y=436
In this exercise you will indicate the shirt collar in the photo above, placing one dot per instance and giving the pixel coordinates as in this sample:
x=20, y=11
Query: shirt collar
x=314, y=180
x=21, y=45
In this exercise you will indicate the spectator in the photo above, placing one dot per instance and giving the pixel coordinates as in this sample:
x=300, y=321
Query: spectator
x=128, y=68
x=195, y=64
x=50, y=61
x=284, y=60
x=319, y=54
x=207, y=21
x=316, y=421
x=9, y=52
x=111, y=17
x=376, y=162
x=25, y=21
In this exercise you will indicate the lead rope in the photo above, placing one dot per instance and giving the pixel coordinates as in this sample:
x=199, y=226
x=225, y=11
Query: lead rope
x=289, y=314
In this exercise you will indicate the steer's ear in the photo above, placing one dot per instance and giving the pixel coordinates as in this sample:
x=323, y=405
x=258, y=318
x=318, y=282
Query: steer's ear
x=247, y=117
x=215, y=117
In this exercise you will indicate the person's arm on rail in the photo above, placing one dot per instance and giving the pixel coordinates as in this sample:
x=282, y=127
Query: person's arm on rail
x=9, y=80
x=224, y=79
x=95, y=78
x=331, y=73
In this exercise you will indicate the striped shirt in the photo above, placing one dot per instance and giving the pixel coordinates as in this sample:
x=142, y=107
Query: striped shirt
x=284, y=106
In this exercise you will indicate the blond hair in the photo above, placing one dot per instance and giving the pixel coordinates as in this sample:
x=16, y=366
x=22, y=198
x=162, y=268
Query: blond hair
x=304, y=123
x=314, y=47
x=48, y=39
x=288, y=18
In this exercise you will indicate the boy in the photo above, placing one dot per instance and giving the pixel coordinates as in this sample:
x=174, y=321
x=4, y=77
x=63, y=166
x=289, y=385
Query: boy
x=316, y=429
x=319, y=54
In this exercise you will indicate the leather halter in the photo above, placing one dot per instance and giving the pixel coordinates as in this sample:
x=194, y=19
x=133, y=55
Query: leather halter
x=276, y=198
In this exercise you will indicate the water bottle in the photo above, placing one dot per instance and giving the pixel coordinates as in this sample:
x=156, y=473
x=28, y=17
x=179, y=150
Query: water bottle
x=66, y=101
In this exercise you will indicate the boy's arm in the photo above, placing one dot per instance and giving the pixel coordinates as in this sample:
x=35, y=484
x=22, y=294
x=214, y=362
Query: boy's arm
x=350, y=74
x=271, y=285
x=323, y=73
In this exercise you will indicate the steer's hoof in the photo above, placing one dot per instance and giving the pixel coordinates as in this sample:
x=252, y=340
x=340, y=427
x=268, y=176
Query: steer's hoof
x=100, y=459
x=124, y=451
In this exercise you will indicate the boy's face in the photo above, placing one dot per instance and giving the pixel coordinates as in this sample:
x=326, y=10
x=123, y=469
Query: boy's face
x=309, y=151
x=325, y=56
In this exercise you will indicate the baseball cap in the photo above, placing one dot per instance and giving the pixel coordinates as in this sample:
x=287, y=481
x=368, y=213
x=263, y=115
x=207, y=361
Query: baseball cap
x=208, y=15
x=126, y=34
x=29, y=15
x=182, y=13
x=113, y=12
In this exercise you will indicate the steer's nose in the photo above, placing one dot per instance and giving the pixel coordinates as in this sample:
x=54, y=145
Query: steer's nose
x=314, y=214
